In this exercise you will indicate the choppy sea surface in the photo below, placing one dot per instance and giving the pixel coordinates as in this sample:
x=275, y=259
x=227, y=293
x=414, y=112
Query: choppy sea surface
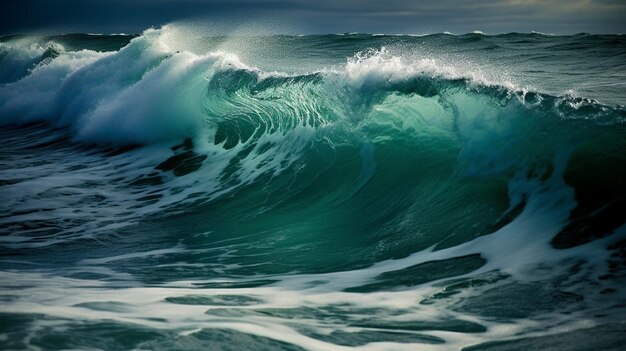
x=177, y=191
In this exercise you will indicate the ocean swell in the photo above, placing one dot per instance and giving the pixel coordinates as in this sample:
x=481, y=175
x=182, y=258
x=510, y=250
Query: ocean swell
x=409, y=192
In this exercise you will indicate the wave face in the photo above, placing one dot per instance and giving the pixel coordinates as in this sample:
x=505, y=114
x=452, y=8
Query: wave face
x=174, y=191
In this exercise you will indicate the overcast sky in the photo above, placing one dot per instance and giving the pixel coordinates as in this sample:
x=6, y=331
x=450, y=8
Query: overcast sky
x=317, y=16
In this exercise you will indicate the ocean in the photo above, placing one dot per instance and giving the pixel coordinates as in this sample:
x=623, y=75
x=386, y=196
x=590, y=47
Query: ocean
x=181, y=191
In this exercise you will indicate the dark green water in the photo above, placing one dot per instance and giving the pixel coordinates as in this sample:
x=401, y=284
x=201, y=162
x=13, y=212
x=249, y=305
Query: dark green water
x=180, y=191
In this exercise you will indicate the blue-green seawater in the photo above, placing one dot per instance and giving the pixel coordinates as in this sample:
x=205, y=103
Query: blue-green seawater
x=181, y=191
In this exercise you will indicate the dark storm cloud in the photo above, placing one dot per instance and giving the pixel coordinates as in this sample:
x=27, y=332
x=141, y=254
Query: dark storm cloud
x=320, y=16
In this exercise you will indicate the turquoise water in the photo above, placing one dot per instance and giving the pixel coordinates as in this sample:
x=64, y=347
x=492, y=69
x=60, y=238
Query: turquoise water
x=173, y=190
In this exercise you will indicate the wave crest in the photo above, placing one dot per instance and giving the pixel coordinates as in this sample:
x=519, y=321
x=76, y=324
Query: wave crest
x=150, y=92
